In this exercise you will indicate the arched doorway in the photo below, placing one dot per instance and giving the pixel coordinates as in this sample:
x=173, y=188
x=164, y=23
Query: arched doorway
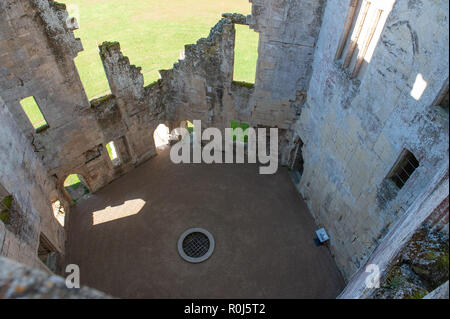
x=298, y=164
x=75, y=187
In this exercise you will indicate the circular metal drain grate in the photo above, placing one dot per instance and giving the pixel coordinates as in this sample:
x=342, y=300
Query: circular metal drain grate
x=195, y=245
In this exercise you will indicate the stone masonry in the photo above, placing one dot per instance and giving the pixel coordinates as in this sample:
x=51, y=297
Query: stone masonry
x=349, y=122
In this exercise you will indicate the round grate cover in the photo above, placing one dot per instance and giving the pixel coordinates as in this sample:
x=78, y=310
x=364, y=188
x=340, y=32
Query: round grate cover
x=195, y=245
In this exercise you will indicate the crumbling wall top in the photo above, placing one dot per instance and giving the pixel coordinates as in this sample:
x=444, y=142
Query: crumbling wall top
x=54, y=16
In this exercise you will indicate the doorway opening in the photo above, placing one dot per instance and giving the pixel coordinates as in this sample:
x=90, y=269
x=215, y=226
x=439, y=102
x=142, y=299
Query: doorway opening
x=47, y=253
x=297, y=165
x=76, y=187
x=161, y=136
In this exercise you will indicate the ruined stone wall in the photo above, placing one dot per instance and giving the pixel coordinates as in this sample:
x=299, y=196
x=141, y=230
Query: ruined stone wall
x=24, y=178
x=20, y=282
x=422, y=264
x=288, y=35
x=354, y=129
x=425, y=208
x=201, y=87
x=137, y=109
x=38, y=49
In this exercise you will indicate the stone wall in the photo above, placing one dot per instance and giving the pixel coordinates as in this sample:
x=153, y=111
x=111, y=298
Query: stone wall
x=288, y=35
x=354, y=129
x=20, y=282
x=37, y=51
x=422, y=264
x=24, y=178
x=37, y=56
x=351, y=129
x=425, y=208
x=201, y=87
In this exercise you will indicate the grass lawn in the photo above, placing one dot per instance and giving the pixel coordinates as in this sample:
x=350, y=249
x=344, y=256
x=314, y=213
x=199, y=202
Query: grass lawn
x=152, y=33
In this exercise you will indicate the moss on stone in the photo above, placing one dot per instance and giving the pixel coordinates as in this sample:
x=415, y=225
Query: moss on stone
x=42, y=128
x=394, y=279
x=4, y=216
x=107, y=44
x=244, y=84
x=7, y=201
x=236, y=18
x=417, y=294
x=59, y=5
x=442, y=262
x=98, y=101
x=431, y=255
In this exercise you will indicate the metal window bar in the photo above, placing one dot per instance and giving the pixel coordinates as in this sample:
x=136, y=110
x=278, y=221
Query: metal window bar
x=413, y=165
x=407, y=174
x=401, y=180
x=408, y=169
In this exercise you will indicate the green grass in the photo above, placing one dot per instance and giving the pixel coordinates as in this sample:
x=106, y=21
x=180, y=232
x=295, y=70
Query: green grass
x=152, y=33
x=33, y=113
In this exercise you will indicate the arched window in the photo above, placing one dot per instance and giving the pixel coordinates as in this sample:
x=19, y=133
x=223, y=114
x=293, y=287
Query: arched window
x=161, y=135
x=58, y=211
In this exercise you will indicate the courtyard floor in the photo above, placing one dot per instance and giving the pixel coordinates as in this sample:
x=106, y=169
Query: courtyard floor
x=124, y=237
